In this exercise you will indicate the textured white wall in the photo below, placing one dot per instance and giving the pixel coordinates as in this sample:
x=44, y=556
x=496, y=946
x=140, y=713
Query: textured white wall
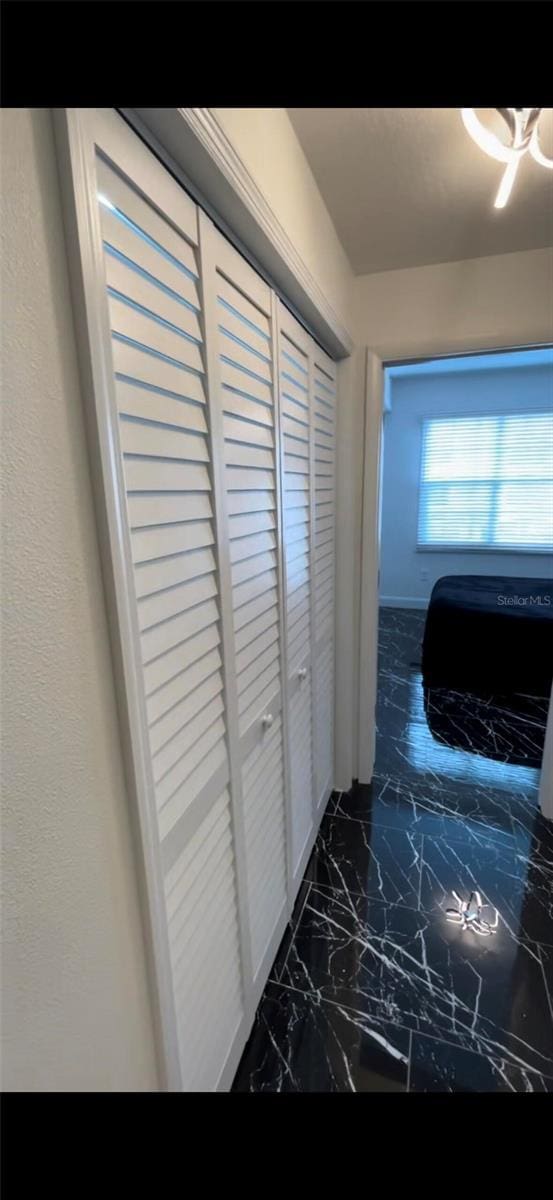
x=76, y=1011
x=505, y=300
x=265, y=140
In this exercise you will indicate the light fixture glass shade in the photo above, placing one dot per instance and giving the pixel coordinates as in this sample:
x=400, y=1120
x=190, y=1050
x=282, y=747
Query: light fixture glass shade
x=537, y=152
x=522, y=124
x=489, y=142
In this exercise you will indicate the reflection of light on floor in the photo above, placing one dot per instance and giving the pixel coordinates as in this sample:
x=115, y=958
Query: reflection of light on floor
x=427, y=754
x=468, y=915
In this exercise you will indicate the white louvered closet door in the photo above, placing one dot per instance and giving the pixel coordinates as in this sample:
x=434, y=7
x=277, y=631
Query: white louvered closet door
x=295, y=424
x=163, y=457
x=240, y=318
x=323, y=401
x=212, y=444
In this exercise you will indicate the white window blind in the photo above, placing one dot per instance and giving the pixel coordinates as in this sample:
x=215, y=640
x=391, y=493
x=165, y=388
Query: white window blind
x=487, y=482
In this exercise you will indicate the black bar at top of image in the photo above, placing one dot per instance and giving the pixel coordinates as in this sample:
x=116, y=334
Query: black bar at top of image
x=393, y=53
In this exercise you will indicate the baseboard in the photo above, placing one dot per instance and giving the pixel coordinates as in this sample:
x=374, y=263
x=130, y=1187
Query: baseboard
x=403, y=602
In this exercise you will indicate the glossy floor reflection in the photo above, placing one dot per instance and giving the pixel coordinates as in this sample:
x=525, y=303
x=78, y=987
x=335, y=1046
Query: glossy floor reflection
x=373, y=989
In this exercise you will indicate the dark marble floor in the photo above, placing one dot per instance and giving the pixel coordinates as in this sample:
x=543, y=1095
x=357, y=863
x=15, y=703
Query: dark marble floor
x=373, y=989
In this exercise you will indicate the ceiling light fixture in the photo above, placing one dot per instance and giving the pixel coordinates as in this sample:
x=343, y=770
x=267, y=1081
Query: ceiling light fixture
x=522, y=124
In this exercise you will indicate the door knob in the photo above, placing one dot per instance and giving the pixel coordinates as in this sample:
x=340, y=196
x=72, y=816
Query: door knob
x=267, y=720
x=302, y=673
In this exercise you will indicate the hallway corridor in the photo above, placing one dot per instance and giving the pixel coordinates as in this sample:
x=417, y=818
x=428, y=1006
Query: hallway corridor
x=373, y=989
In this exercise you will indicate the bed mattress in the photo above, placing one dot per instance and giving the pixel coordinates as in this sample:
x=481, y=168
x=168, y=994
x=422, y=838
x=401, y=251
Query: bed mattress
x=489, y=633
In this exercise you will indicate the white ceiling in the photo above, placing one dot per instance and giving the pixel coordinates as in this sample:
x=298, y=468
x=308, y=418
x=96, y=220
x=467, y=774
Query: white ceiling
x=407, y=187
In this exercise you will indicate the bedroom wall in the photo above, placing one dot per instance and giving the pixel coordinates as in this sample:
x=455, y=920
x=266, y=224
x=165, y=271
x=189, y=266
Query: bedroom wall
x=448, y=308
x=443, y=391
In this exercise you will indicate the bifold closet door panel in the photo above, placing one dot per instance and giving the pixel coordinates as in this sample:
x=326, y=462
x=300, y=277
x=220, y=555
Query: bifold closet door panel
x=160, y=390
x=295, y=423
x=323, y=400
x=153, y=290
x=147, y=328
x=241, y=316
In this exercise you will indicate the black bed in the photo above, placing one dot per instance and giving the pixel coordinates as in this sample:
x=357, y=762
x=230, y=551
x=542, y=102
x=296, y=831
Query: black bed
x=489, y=633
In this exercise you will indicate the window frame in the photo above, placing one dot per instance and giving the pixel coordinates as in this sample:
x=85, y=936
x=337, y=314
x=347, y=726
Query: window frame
x=470, y=547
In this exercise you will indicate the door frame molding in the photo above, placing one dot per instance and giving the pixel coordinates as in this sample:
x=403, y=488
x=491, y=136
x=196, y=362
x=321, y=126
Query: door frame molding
x=370, y=557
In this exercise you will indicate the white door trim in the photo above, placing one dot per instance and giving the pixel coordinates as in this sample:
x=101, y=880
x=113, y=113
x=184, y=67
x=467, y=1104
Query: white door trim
x=195, y=147
x=370, y=555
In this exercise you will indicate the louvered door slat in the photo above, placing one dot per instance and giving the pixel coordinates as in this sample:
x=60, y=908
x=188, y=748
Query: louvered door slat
x=145, y=330
x=135, y=288
x=134, y=400
x=139, y=366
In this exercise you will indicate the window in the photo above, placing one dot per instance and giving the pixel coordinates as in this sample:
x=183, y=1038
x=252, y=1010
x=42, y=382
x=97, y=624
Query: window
x=487, y=482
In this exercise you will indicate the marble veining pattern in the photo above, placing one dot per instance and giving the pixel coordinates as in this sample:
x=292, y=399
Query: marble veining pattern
x=402, y=966
x=374, y=862
x=299, y=1038
x=372, y=989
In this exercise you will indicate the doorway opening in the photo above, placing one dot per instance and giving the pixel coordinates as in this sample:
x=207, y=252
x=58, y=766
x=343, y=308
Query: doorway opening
x=465, y=541
x=459, y=499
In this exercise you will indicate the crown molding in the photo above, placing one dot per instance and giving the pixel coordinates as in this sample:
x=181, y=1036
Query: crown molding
x=194, y=145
